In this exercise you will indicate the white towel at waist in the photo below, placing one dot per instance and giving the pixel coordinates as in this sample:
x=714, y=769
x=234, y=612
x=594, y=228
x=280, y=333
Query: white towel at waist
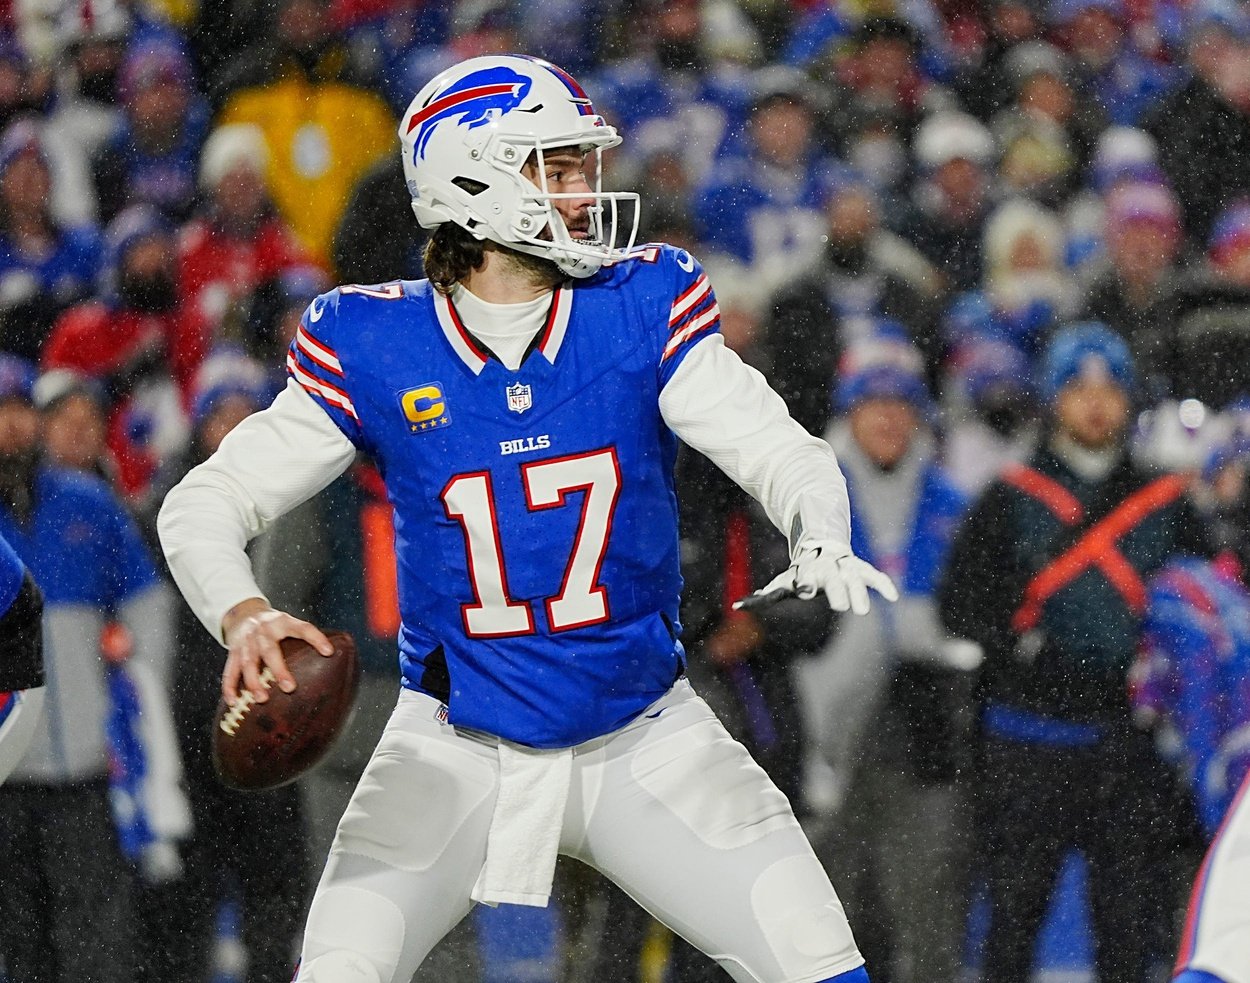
x=525, y=826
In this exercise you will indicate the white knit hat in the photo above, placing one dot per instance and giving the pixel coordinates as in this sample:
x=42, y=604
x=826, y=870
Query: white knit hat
x=231, y=145
x=947, y=136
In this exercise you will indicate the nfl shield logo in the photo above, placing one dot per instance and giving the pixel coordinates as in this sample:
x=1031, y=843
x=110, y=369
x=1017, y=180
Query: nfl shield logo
x=518, y=397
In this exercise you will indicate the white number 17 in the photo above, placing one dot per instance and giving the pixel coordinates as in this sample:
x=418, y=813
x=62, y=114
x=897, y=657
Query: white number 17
x=469, y=499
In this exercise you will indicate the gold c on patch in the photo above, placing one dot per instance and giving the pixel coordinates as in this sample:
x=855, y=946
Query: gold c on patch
x=425, y=407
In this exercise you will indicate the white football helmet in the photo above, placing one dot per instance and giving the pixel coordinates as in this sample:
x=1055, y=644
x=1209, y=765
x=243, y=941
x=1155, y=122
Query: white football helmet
x=468, y=133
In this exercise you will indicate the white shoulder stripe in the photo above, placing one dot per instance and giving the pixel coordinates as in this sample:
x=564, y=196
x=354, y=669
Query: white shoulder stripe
x=690, y=298
x=318, y=352
x=694, y=327
x=331, y=394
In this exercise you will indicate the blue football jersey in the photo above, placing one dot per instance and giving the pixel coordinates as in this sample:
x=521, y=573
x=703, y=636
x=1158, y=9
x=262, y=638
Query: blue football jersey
x=535, y=517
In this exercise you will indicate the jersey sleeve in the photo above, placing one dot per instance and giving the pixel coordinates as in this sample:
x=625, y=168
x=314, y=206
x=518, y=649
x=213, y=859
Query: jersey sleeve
x=313, y=362
x=693, y=314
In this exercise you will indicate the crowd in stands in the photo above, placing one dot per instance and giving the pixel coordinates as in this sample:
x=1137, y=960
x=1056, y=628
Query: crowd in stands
x=929, y=223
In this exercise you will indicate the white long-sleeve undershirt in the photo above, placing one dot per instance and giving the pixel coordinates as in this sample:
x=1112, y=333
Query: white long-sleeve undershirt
x=282, y=456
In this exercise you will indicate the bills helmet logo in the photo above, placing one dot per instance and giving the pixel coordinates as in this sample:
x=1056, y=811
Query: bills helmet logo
x=473, y=101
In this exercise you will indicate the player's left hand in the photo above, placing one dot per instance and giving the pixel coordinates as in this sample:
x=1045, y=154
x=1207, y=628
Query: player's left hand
x=831, y=569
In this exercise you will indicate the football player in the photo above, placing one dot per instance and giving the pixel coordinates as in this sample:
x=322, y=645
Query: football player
x=1216, y=945
x=524, y=404
x=21, y=658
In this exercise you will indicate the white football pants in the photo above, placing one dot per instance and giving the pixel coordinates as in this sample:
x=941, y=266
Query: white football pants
x=1217, y=930
x=669, y=807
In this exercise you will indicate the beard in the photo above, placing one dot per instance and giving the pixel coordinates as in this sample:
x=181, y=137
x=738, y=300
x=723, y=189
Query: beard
x=99, y=87
x=536, y=269
x=156, y=294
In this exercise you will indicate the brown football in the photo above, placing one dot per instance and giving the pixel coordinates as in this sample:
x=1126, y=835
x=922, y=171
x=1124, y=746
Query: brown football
x=264, y=745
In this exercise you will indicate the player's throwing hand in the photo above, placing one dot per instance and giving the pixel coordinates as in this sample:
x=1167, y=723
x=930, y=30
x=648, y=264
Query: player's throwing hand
x=253, y=631
x=830, y=568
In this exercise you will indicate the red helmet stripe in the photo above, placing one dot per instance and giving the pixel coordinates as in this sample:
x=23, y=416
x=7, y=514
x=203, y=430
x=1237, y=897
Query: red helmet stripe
x=438, y=105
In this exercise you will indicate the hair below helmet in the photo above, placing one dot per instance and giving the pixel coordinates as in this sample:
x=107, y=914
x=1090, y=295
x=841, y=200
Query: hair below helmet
x=467, y=137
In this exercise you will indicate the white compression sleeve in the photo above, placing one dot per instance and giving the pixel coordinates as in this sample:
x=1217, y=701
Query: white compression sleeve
x=724, y=409
x=267, y=465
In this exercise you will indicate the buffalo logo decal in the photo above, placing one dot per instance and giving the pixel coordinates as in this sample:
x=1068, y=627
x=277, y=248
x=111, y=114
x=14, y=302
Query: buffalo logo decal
x=473, y=101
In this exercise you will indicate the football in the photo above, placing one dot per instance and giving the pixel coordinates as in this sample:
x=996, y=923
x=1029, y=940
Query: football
x=264, y=745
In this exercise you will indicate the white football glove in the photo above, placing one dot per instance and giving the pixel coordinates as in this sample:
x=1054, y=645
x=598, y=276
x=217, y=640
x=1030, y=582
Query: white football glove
x=830, y=568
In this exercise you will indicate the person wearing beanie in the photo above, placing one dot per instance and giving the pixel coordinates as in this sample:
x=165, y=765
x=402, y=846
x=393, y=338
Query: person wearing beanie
x=74, y=413
x=151, y=158
x=1137, y=293
x=60, y=836
x=137, y=341
x=1203, y=128
x=44, y=266
x=1213, y=317
x=1048, y=132
x=1047, y=575
x=993, y=417
x=865, y=272
x=951, y=195
x=762, y=206
x=886, y=702
x=236, y=240
x=323, y=131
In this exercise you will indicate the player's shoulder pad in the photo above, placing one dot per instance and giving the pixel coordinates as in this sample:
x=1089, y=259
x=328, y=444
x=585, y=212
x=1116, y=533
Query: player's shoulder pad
x=670, y=269
x=323, y=315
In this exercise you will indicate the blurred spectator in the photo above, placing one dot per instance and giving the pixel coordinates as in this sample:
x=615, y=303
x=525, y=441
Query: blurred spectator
x=1203, y=129
x=137, y=342
x=1191, y=682
x=664, y=178
x=1213, y=330
x=178, y=927
x=1224, y=480
x=74, y=412
x=67, y=902
x=43, y=267
x=1122, y=155
x=989, y=84
x=378, y=238
x=744, y=658
x=153, y=156
x=1121, y=81
x=322, y=132
x=764, y=208
x=865, y=272
x=264, y=324
x=17, y=97
x=1047, y=135
x=994, y=420
x=1047, y=576
x=887, y=709
x=677, y=70
x=387, y=37
x=236, y=241
x=1026, y=284
x=1137, y=292
x=86, y=42
x=218, y=33
x=951, y=196
x=878, y=75
x=472, y=28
